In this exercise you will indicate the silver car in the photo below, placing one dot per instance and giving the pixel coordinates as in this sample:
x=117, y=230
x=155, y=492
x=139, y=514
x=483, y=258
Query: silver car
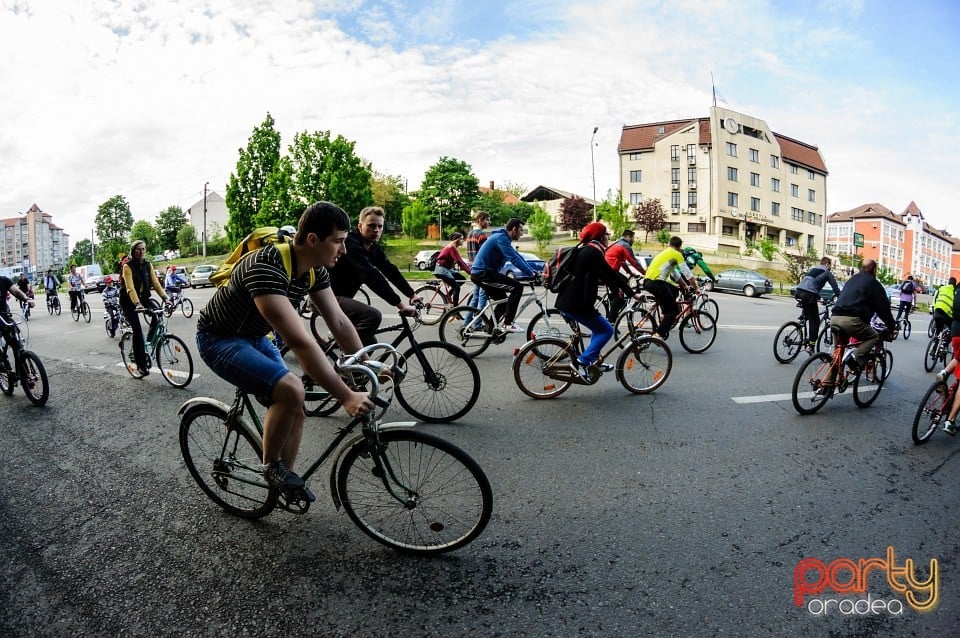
x=201, y=275
x=749, y=282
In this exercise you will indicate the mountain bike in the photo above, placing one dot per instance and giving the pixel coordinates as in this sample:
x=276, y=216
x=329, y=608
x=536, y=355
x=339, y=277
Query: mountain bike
x=793, y=335
x=178, y=300
x=53, y=303
x=823, y=375
x=168, y=350
x=933, y=409
x=409, y=490
x=25, y=367
x=81, y=307
x=442, y=383
x=938, y=349
x=698, y=328
x=437, y=297
x=932, y=328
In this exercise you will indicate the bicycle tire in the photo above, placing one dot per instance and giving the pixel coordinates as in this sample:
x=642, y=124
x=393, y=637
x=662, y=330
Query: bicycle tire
x=644, y=365
x=867, y=384
x=107, y=322
x=75, y=311
x=451, y=502
x=33, y=378
x=640, y=322
x=907, y=329
x=888, y=355
x=174, y=361
x=186, y=307
x=811, y=376
x=934, y=406
x=931, y=355
x=225, y=462
x=127, y=356
x=825, y=338
x=56, y=306
x=50, y=306
x=168, y=309
x=788, y=342
x=710, y=306
x=435, y=304
x=698, y=331
x=932, y=328
x=443, y=391
x=319, y=329
x=362, y=296
x=528, y=367
x=554, y=325
x=6, y=372
x=472, y=341
x=85, y=309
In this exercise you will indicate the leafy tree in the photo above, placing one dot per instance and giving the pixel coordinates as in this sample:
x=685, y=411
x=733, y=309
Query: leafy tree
x=245, y=188
x=187, y=240
x=517, y=189
x=541, y=227
x=415, y=220
x=113, y=220
x=575, y=213
x=798, y=265
x=144, y=230
x=491, y=202
x=663, y=236
x=389, y=193
x=279, y=205
x=650, y=218
x=886, y=276
x=767, y=248
x=169, y=223
x=80, y=254
x=329, y=169
x=450, y=190
x=614, y=213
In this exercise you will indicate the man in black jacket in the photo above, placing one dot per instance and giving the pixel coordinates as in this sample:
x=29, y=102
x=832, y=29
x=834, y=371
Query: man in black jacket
x=366, y=264
x=861, y=298
x=808, y=295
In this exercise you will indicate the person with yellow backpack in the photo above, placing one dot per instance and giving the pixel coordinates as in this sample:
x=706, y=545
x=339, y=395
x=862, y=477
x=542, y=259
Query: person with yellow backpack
x=260, y=295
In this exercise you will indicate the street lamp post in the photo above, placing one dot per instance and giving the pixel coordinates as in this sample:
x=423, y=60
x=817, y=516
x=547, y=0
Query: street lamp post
x=204, y=234
x=593, y=171
x=93, y=258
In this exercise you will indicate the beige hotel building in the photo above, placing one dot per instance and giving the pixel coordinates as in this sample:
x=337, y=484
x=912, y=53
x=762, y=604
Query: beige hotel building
x=727, y=180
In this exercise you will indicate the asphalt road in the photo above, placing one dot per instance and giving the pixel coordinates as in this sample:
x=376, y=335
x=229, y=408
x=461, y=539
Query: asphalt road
x=681, y=513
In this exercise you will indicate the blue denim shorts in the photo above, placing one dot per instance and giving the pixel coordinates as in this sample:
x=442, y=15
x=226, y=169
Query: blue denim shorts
x=252, y=364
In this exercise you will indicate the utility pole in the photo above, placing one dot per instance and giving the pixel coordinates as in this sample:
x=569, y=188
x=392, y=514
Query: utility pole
x=93, y=258
x=593, y=171
x=204, y=234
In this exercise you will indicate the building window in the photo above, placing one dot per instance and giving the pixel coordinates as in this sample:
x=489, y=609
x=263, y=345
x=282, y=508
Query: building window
x=691, y=175
x=635, y=176
x=692, y=199
x=755, y=204
x=755, y=179
x=774, y=161
x=673, y=227
x=675, y=152
x=636, y=198
x=731, y=173
x=775, y=208
x=674, y=175
x=810, y=240
x=691, y=153
x=791, y=241
x=793, y=169
x=675, y=199
x=732, y=200
x=811, y=195
x=660, y=131
x=696, y=227
x=795, y=190
x=634, y=157
x=811, y=218
x=754, y=155
x=727, y=231
x=811, y=174
x=796, y=214
x=731, y=149
x=775, y=184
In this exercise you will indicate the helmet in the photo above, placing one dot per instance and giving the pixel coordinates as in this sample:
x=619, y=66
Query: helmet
x=108, y=279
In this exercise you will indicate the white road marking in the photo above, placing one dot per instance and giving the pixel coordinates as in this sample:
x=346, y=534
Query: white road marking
x=770, y=398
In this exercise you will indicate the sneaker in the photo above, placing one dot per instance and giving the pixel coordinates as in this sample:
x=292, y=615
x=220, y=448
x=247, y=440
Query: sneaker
x=511, y=327
x=809, y=348
x=281, y=478
x=942, y=376
x=950, y=428
x=606, y=367
x=582, y=369
x=142, y=372
x=853, y=366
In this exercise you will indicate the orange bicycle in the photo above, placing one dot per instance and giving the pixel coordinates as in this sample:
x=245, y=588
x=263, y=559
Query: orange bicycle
x=698, y=327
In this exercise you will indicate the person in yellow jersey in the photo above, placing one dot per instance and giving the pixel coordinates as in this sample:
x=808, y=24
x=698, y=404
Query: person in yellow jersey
x=666, y=275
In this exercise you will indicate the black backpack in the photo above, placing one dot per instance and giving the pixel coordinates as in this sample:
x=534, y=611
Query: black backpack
x=907, y=287
x=558, y=271
x=432, y=262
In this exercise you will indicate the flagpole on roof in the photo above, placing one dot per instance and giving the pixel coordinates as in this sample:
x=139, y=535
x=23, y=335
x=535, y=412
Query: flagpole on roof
x=713, y=88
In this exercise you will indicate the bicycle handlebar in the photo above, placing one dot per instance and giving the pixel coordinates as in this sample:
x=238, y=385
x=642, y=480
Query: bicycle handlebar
x=372, y=368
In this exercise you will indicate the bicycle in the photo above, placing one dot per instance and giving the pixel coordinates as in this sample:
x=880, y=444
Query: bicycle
x=827, y=374
x=933, y=409
x=409, y=490
x=178, y=300
x=794, y=335
x=26, y=367
x=438, y=298
x=81, y=307
x=476, y=337
x=442, y=382
x=904, y=327
x=938, y=349
x=25, y=309
x=113, y=319
x=168, y=350
x=698, y=328
x=53, y=303
x=306, y=310
x=932, y=327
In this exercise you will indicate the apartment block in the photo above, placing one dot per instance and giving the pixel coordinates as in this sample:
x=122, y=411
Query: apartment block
x=727, y=181
x=901, y=242
x=32, y=243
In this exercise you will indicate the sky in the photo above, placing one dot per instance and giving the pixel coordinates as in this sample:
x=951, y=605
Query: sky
x=151, y=100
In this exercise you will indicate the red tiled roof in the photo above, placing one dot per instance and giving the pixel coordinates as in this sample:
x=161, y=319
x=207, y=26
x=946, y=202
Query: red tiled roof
x=865, y=211
x=641, y=137
x=505, y=196
x=913, y=209
x=800, y=153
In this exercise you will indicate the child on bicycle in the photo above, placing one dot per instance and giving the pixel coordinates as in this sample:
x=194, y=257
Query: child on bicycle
x=172, y=284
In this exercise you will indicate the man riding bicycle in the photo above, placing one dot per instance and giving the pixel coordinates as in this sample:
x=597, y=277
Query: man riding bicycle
x=619, y=256
x=908, y=295
x=8, y=286
x=667, y=273
x=51, y=283
x=943, y=305
x=485, y=272
x=807, y=295
x=261, y=298
x=953, y=367
x=862, y=297
x=75, y=280
x=694, y=258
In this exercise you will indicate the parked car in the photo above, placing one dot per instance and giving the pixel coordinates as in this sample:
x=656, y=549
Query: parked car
x=826, y=293
x=893, y=293
x=749, y=282
x=93, y=283
x=536, y=265
x=200, y=276
x=423, y=258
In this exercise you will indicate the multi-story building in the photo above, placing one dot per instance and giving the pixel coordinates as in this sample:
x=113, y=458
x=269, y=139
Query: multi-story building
x=902, y=243
x=211, y=209
x=32, y=243
x=727, y=181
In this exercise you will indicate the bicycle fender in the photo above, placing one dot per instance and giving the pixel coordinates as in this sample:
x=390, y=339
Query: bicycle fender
x=190, y=403
x=396, y=425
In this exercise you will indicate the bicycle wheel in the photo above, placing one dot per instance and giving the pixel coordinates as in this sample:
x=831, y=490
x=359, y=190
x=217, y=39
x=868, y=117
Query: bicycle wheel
x=551, y=323
x=698, y=331
x=867, y=384
x=50, y=306
x=186, y=307
x=643, y=321
x=126, y=355
x=710, y=306
x=437, y=498
x=225, y=462
x=932, y=328
x=907, y=329
x=6, y=373
x=108, y=326
x=75, y=311
x=789, y=342
x=167, y=309
x=85, y=309
x=932, y=354
x=888, y=355
x=813, y=375
x=434, y=304
x=825, y=338
x=174, y=361
x=441, y=388
x=543, y=368
x=934, y=406
x=473, y=339
x=319, y=329
x=33, y=378
x=362, y=296
x=644, y=365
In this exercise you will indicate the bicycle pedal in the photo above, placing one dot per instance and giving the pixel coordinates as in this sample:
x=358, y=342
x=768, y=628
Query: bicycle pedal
x=295, y=501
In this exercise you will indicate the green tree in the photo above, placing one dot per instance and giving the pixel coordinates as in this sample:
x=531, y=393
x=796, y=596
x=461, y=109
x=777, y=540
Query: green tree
x=169, y=222
x=650, y=218
x=329, y=169
x=575, y=213
x=245, y=188
x=144, y=230
x=541, y=227
x=517, y=189
x=80, y=254
x=113, y=220
x=389, y=193
x=614, y=213
x=767, y=248
x=187, y=240
x=663, y=236
x=415, y=220
x=492, y=203
x=449, y=191
x=279, y=205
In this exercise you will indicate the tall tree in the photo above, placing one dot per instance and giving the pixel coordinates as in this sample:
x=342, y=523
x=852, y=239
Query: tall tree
x=80, y=254
x=575, y=213
x=541, y=226
x=187, y=240
x=390, y=193
x=113, y=220
x=614, y=213
x=245, y=188
x=329, y=169
x=280, y=205
x=169, y=223
x=415, y=219
x=450, y=190
x=650, y=217
x=144, y=230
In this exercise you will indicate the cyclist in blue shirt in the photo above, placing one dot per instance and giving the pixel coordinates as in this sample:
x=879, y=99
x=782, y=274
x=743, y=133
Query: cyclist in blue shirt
x=485, y=272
